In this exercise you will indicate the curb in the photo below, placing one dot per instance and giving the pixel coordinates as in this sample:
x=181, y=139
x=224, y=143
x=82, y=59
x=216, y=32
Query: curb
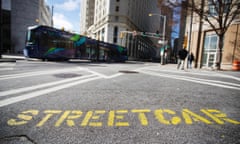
x=7, y=60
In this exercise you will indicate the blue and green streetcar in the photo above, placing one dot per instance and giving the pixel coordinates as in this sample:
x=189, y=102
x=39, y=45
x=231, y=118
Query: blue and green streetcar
x=49, y=43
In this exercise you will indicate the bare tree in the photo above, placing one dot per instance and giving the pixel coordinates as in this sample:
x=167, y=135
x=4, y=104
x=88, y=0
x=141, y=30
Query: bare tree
x=219, y=14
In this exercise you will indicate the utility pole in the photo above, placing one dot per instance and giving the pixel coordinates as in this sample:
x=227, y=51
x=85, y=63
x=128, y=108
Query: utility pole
x=1, y=39
x=163, y=35
x=1, y=29
x=52, y=16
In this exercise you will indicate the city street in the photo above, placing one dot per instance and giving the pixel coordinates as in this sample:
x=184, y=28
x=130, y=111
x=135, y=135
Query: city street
x=117, y=103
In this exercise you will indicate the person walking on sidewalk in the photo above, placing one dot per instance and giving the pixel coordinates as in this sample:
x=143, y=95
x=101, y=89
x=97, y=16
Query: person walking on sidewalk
x=190, y=59
x=182, y=54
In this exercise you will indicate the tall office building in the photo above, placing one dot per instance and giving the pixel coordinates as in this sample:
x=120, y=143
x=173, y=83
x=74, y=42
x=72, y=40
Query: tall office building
x=111, y=17
x=19, y=16
x=87, y=15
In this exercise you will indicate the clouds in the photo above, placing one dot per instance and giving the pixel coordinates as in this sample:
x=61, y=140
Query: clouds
x=61, y=21
x=69, y=5
x=66, y=14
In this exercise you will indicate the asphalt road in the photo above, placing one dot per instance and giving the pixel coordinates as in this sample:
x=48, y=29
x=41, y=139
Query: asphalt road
x=117, y=103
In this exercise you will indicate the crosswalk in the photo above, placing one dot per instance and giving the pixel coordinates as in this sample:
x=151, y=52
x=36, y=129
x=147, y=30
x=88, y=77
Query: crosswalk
x=15, y=95
x=6, y=66
x=83, y=75
x=194, y=77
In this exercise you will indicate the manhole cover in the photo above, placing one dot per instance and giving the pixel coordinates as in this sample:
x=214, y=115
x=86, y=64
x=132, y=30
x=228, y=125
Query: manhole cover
x=67, y=75
x=128, y=71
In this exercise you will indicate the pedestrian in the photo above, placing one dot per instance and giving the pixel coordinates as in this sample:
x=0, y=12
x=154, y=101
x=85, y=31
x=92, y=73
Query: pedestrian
x=190, y=60
x=182, y=54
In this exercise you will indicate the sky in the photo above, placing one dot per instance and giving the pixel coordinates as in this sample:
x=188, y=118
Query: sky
x=66, y=14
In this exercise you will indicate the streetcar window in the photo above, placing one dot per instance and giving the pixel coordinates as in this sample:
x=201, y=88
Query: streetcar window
x=31, y=36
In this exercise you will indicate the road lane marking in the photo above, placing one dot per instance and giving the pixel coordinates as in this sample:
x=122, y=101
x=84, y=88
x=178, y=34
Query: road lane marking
x=65, y=84
x=6, y=69
x=201, y=73
x=102, y=75
x=117, y=118
x=120, y=118
x=7, y=64
x=195, y=80
x=142, y=116
x=28, y=74
x=25, y=89
x=207, y=80
x=23, y=97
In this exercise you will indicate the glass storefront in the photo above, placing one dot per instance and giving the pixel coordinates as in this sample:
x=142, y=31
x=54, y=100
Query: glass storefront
x=210, y=50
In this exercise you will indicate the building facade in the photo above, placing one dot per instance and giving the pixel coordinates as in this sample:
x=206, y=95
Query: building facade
x=112, y=18
x=87, y=16
x=203, y=42
x=21, y=15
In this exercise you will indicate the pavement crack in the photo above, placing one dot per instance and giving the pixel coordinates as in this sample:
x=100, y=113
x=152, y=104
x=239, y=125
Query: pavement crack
x=18, y=138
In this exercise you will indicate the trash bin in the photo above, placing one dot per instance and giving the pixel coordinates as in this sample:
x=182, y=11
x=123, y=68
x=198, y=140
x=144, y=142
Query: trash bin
x=236, y=65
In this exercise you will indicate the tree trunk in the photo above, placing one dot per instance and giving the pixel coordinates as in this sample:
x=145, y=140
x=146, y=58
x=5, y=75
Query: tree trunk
x=219, y=52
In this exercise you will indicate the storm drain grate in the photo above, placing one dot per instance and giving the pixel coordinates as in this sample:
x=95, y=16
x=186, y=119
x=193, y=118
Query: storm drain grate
x=67, y=75
x=128, y=71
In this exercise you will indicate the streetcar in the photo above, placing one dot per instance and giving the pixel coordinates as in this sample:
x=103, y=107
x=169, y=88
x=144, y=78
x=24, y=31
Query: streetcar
x=48, y=43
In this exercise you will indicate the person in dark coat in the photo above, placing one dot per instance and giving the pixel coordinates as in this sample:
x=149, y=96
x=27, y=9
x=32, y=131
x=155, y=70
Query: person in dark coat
x=190, y=59
x=182, y=54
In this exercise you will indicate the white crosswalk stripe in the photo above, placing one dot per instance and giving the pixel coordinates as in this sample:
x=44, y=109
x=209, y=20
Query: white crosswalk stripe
x=30, y=95
x=5, y=66
x=20, y=94
x=175, y=75
x=28, y=74
x=30, y=88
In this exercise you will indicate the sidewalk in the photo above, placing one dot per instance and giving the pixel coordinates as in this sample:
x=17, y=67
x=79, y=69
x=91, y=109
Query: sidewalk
x=173, y=67
x=11, y=58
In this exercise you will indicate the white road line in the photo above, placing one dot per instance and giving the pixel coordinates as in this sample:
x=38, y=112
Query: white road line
x=25, y=89
x=96, y=73
x=68, y=83
x=113, y=76
x=7, y=64
x=195, y=80
x=28, y=74
x=207, y=80
x=5, y=69
x=23, y=97
x=202, y=73
x=104, y=76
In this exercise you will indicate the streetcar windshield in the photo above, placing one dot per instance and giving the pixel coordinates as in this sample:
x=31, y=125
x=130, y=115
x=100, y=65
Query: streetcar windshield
x=31, y=37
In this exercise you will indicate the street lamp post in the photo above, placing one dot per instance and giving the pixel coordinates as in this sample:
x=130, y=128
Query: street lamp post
x=163, y=34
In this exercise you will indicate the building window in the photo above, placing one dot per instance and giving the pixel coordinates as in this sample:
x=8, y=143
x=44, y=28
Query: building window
x=116, y=18
x=215, y=7
x=117, y=8
x=115, y=34
x=103, y=33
